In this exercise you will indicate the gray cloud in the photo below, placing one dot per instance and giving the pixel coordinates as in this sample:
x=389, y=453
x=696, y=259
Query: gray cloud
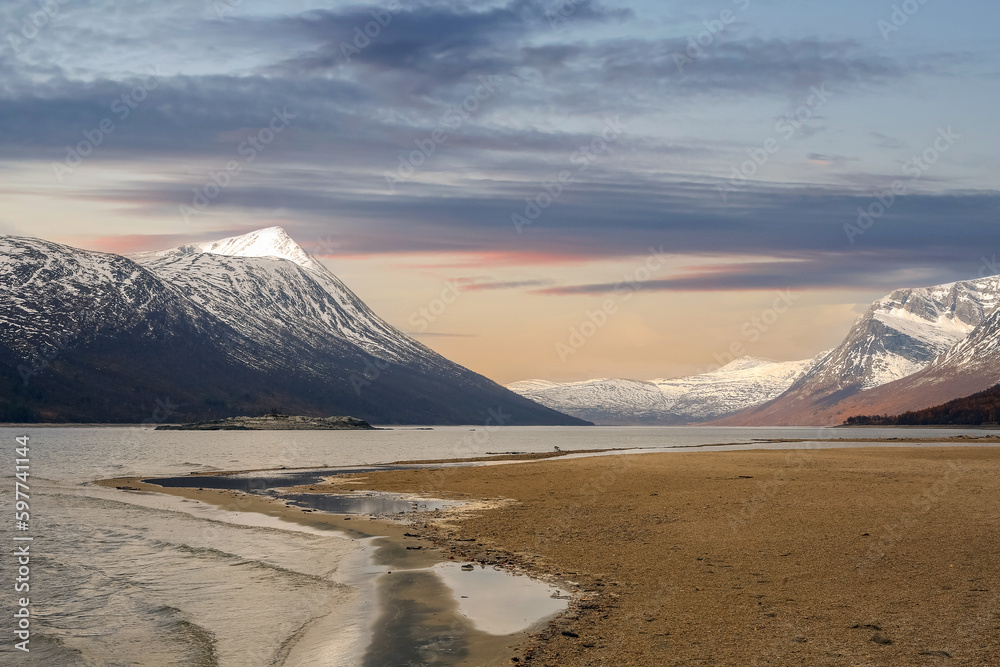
x=505, y=285
x=442, y=42
x=220, y=80
x=427, y=58
x=803, y=227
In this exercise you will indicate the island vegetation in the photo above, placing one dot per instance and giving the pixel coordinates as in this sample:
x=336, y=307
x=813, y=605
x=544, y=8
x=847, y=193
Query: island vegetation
x=977, y=410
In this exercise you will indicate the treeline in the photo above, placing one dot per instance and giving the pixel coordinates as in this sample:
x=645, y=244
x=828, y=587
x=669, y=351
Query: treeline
x=976, y=410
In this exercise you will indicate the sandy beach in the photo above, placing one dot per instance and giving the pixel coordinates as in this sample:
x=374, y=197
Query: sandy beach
x=415, y=609
x=881, y=556
x=832, y=557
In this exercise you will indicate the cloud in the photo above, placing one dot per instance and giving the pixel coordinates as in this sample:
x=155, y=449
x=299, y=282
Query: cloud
x=218, y=81
x=835, y=271
x=801, y=228
x=753, y=65
x=825, y=159
x=220, y=78
x=887, y=142
x=506, y=285
x=441, y=43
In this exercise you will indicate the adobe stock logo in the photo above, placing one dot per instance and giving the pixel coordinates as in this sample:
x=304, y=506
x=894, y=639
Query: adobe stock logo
x=34, y=23
x=122, y=108
x=786, y=128
x=582, y=158
x=364, y=35
x=755, y=327
x=595, y=320
x=450, y=121
x=901, y=15
x=714, y=29
x=422, y=318
x=916, y=167
x=249, y=149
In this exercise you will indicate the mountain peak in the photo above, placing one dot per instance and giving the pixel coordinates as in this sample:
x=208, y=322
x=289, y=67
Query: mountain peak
x=744, y=363
x=268, y=242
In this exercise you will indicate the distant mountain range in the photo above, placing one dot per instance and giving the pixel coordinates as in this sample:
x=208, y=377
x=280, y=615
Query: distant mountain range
x=912, y=349
x=741, y=384
x=252, y=323
x=237, y=326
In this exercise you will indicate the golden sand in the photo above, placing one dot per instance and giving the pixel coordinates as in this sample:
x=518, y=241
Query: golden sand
x=817, y=557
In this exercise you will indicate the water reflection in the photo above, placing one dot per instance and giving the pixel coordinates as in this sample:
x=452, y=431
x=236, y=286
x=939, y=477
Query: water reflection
x=364, y=504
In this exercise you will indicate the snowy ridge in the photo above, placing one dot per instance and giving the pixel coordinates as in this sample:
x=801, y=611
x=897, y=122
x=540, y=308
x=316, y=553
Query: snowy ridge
x=269, y=242
x=268, y=288
x=904, y=332
x=940, y=335
x=534, y=385
x=50, y=290
x=971, y=366
x=741, y=384
x=900, y=336
x=979, y=352
x=236, y=326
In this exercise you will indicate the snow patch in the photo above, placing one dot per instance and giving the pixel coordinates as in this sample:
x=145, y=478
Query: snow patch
x=269, y=242
x=741, y=384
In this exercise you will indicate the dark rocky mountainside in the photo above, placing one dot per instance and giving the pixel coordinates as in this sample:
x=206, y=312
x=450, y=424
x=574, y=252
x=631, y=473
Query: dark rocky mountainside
x=900, y=339
x=196, y=333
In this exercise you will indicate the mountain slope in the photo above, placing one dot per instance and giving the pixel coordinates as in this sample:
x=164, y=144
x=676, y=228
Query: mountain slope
x=973, y=365
x=264, y=280
x=603, y=400
x=737, y=386
x=83, y=334
x=102, y=337
x=899, y=336
x=978, y=409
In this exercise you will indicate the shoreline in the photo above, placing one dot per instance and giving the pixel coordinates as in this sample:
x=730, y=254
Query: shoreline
x=577, y=508
x=391, y=544
x=835, y=556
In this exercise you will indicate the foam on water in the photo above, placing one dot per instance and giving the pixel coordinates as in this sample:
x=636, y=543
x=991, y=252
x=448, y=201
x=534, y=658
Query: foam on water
x=117, y=583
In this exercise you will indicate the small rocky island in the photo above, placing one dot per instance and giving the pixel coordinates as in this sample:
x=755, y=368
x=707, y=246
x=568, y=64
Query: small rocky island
x=274, y=422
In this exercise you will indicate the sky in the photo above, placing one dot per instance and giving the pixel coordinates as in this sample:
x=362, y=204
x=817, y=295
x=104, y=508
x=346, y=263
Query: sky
x=558, y=189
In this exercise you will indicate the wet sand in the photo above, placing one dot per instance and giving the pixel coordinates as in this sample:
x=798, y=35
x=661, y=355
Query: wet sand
x=418, y=620
x=816, y=556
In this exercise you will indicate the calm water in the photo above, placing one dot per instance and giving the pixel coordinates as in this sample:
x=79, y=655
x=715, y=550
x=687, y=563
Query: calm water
x=130, y=579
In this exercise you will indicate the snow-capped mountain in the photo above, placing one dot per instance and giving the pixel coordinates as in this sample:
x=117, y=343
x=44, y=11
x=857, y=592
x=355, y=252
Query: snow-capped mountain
x=971, y=366
x=236, y=326
x=605, y=401
x=900, y=335
x=741, y=384
x=90, y=336
x=912, y=349
x=268, y=288
x=269, y=242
